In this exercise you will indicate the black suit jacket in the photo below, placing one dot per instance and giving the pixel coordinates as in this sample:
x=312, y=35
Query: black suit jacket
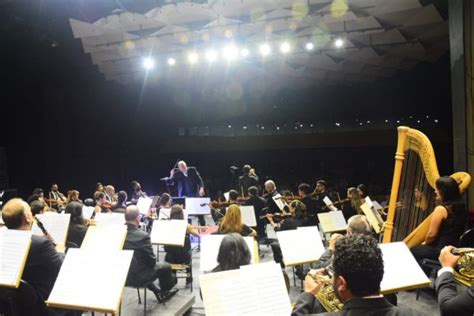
x=76, y=233
x=258, y=204
x=187, y=185
x=452, y=303
x=272, y=206
x=245, y=182
x=42, y=266
x=144, y=259
x=308, y=304
x=311, y=211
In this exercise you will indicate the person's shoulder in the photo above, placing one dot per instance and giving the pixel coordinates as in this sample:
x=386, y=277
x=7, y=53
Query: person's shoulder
x=37, y=241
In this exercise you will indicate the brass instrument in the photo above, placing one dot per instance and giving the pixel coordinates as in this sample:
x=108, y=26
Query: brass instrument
x=326, y=295
x=464, y=270
x=415, y=173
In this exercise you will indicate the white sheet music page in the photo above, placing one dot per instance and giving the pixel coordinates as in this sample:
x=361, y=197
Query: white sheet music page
x=401, y=270
x=279, y=201
x=14, y=248
x=102, y=219
x=248, y=215
x=55, y=224
x=169, y=232
x=165, y=213
x=105, y=238
x=371, y=217
x=198, y=206
x=332, y=221
x=100, y=288
x=87, y=211
x=144, y=204
x=210, y=248
x=300, y=245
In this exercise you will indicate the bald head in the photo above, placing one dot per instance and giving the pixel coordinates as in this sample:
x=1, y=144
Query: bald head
x=17, y=215
x=358, y=225
x=182, y=166
x=132, y=215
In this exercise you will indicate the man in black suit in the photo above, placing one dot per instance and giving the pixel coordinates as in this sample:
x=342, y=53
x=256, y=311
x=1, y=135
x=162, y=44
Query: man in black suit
x=247, y=180
x=144, y=269
x=358, y=271
x=319, y=193
x=450, y=301
x=43, y=261
x=271, y=189
x=258, y=204
x=304, y=191
x=189, y=183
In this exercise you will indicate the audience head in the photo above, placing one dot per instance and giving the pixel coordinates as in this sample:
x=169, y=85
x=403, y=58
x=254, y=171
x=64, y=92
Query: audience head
x=122, y=197
x=298, y=209
x=110, y=190
x=358, y=224
x=233, y=253
x=132, y=215
x=233, y=195
x=362, y=190
x=253, y=191
x=358, y=267
x=37, y=207
x=270, y=186
x=182, y=166
x=321, y=185
x=304, y=189
x=246, y=169
x=232, y=221
x=99, y=187
x=136, y=186
x=176, y=212
x=75, y=209
x=16, y=214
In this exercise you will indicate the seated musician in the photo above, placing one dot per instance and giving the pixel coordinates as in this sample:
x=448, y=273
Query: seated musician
x=233, y=253
x=447, y=222
x=258, y=204
x=121, y=204
x=176, y=254
x=362, y=190
x=38, y=195
x=37, y=208
x=450, y=301
x=358, y=271
x=353, y=206
x=43, y=261
x=304, y=192
x=271, y=189
x=99, y=198
x=57, y=200
x=137, y=192
x=77, y=225
x=298, y=216
x=319, y=193
x=110, y=195
x=99, y=187
x=218, y=213
x=232, y=223
x=73, y=196
x=246, y=180
x=144, y=269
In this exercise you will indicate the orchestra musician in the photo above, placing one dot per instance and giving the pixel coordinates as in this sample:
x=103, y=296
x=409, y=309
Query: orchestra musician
x=77, y=225
x=137, y=192
x=304, y=192
x=121, y=204
x=248, y=179
x=259, y=205
x=73, y=196
x=319, y=193
x=271, y=189
x=110, y=195
x=99, y=199
x=353, y=207
x=232, y=223
x=56, y=198
x=219, y=212
x=361, y=188
x=189, y=183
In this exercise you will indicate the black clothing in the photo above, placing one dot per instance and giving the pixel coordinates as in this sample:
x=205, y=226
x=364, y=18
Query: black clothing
x=76, y=233
x=288, y=224
x=245, y=231
x=258, y=204
x=179, y=255
x=271, y=204
x=188, y=185
x=312, y=210
x=136, y=195
x=319, y=197
x=452, y=303
x=245, y=182
x=348, y=211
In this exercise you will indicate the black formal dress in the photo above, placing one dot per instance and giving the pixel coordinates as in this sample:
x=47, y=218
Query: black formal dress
x=144, y=269
x=245, y=182
x=288, y=224
x=258, y=204
x=308, y=304
x=188, y=185
x=450, y=301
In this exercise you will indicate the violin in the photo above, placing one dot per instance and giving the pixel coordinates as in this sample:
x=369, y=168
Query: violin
x=337, y=203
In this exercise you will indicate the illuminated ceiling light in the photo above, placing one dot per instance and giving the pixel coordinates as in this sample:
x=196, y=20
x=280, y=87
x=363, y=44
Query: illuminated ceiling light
x=339, y=43
x=386, y=121
x=436, y=121
x=338, y=124
x=245, y=127
x=309, y=46
x=285, y=47
x=193, y=57
x=301, y=125
x=171, y=61
x=244, y=52
x=265, y=49
x=311, y=125
x=418, y=121
x=361, y=123
x=148, y=63
x=230, y=52
x=211, y=55
x=229, y=126
x=368, y=122
x=263, y=127
x=398, y=121
x=278, y=128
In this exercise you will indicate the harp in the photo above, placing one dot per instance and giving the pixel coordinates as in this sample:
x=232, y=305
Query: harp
x=412, y=196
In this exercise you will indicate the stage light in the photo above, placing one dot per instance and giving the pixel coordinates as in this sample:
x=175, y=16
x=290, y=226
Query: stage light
x=309, y=46
x=361, y=123
x=285, y=47
x=230, y=52
x=398, y=122
x=229, y=126
x=245, y=127
x=193, y=57
x=211, y=55
x=338, y=124
x=436, y=121
x=368, y=122
x=244, y=52
x=311, y=125
x=301, y=125
x=263, y=127
x=427, y=116
x=278, y=128
x=386, y=121
x=339, y=43
x=148, y=63
x=418, y=121
x=265, y=49
x=171, y=61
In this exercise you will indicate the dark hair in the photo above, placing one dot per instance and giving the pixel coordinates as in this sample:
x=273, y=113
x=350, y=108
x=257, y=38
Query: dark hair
x=97, y=185
x=246, y=169
x=451, y=198
x=359, y=260
x=36, y=207
x=89, y=202
x=305, y=188
x=164, y=199
x=32, y=198
x=134, y=184
x=253, y=191
x=176, y=212
x=122, y=197
x=322, y=182
x=75, y=209
x=363, y=189
x=38, y=191
x=233, y=253
x=233, y=195
x=300, y=209
x=98, y=195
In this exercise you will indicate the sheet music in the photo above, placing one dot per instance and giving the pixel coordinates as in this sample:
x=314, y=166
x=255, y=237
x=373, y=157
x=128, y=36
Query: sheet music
x=332, y=221
x=401, y=271
x=210, y=248
x=14, y=248
x=248, y=215
x=329, y=203
x=226, y=195
x=55, y=224
x=169, y=232
x=301, y=245
x=252, y=290
x=198, y=206
x=87, y=211
x=371, y=217
x=102, y=219
x=1, y=220
x=144, y=204
x=369, y=202
x=377, y=205
x=109, y=237
x=100, y=288
x=165, y=213
x=279, y=201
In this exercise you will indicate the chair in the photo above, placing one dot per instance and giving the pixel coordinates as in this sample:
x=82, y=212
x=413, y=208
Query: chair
x=467, y=238
x=138, y=286
x=184, y=271
x=20, y=301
